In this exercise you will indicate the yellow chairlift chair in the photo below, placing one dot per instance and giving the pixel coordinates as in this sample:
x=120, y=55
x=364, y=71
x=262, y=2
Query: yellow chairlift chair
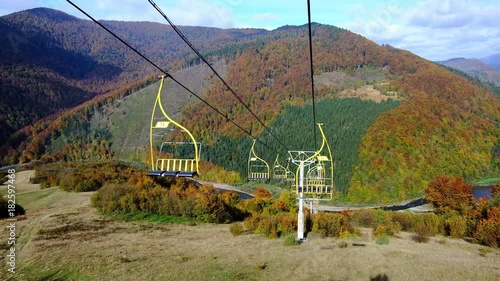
x=168, y=165
x=258, y=169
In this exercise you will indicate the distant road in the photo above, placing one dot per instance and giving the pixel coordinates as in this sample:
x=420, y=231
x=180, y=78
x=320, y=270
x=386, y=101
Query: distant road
x=16, y=166
x=418, y=205
x=226, y=187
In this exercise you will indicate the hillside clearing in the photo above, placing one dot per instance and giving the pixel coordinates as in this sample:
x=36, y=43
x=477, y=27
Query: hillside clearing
x=64, y=238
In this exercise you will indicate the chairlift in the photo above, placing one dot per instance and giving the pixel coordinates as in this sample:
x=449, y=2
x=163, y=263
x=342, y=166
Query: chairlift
x=318, y=181
x=180, y=163
x=280, y=173
x=258, y=169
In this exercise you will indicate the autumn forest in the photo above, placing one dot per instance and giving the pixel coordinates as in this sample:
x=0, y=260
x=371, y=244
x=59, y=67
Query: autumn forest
x=71, y=92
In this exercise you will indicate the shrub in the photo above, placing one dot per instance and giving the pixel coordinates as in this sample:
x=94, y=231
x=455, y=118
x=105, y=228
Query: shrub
x=382, y=240
x=276, y=225
x=88, y=176
x=382, y=222
x=268, y=225
x=391, y=227
x=330, y=224
x=488, y=230
x=252, y=221
x=236, y=228
x=290, y=240
x=260, y=203
x=427, y=225
x=420, y=238
x=4, y=208
x=380, y=230
x=181, y=198
x=495, y=189
x=346, y=233
x=108, y=199
x=364, y=218
x=3, y=176
x=495, y=200
x=405, y=220
x=450, y=193
x=290, y=200
x=456, y=226
x=488, y=233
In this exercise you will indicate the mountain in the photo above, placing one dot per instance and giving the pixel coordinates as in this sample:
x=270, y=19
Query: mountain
x=484, y=69
x=51, y=61
x=493, y=61
x=393, y=119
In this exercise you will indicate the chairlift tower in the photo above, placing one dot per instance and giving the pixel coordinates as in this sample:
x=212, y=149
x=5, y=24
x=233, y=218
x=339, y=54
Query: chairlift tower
x=302, y=159
x=317, y=182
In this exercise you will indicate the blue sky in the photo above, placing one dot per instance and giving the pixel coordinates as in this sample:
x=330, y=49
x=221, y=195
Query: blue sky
x=433, y=29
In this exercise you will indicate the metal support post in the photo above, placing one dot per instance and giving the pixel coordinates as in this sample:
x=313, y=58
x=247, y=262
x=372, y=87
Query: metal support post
x=300, y=219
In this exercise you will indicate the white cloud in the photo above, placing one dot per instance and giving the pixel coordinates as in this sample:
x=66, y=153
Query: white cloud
x=436, y=30
x=200, y=13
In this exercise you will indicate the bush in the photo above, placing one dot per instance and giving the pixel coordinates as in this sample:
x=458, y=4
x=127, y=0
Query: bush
x=495, y=189
x=4, y=208
x=456, y=226
x=420, y=238
x=81, y=177
x=365, y=218
x=236, y=228
x=252, y=221
x=78, y=182
x=108, y=199
x=427, y=225
x=488, y=230
x=181, y=198
x=276, y=225
x=405, y=220
x=290, y=240
x=260, y=203
x=450, y=193
x=382, y=240
x=330, y=224
x=382, y=222
x=390, y=226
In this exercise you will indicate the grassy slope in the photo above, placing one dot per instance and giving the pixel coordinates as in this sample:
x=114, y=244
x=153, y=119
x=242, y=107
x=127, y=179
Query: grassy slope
x=63, y=238
x=127, y=120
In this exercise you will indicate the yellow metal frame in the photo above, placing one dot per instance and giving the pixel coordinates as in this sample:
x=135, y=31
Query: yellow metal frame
x=318, y=179
x=284, y=172
x=255, y=162
x=166, y=164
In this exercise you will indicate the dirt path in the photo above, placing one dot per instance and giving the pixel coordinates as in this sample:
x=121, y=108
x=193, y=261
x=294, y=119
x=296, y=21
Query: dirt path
x=63, y=238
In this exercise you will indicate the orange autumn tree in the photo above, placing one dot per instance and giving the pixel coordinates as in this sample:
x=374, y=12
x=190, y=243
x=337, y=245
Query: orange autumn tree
x=449, y=193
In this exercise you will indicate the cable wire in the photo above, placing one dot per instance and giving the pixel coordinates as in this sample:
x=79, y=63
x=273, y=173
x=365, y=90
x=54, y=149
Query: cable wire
x=312, y=71
x=168, y=74
x=184, y=38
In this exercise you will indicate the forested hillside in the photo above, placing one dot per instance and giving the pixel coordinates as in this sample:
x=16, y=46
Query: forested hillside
x=476, y=68
x=434, y=123
x=446, y=125
x=51, y=61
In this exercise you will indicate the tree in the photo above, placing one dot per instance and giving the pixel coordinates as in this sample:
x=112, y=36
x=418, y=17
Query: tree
x=448, y=193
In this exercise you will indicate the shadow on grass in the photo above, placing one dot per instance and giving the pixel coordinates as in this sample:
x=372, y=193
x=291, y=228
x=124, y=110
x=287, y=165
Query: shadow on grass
x=380, y=277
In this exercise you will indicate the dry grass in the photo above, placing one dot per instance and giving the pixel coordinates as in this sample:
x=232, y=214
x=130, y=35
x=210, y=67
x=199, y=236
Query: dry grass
x=67, y=239
x=367, y=93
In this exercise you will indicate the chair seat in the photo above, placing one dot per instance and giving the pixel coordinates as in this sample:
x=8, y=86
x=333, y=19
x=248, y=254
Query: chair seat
x=183, y=174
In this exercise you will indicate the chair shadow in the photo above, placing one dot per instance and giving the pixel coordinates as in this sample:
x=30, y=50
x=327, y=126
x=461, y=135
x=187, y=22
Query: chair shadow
x=380, y=277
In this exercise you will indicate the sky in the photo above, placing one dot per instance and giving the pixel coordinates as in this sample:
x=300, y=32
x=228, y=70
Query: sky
x=433, y=29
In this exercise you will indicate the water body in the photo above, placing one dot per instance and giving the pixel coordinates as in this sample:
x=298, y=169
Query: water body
x=481, y=191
